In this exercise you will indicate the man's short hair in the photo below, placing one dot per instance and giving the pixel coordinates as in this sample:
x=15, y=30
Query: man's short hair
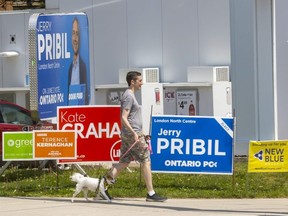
x=132, y=75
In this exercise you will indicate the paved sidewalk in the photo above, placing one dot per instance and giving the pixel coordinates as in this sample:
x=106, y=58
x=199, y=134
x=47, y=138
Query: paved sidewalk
x=26, y=206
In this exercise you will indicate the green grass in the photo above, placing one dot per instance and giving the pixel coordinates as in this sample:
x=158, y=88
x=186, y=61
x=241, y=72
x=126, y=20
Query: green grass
x=53, y=183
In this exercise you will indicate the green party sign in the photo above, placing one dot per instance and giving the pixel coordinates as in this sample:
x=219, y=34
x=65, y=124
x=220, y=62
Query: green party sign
x=17, y=146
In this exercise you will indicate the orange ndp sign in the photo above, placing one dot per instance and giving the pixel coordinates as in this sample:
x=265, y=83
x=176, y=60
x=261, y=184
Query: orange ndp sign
x=55, y=144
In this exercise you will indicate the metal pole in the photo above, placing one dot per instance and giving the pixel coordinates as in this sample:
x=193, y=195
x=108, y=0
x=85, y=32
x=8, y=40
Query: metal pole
x=80, y=169
x=3, y=168
x=233, y=147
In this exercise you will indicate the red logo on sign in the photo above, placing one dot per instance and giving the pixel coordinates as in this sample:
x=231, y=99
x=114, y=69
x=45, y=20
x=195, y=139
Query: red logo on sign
x=115, y=151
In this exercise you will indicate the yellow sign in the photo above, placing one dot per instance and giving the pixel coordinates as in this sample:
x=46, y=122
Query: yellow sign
x=268, y=156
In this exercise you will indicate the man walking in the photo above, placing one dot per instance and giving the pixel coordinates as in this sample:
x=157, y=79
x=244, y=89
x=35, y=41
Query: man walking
x=134, y=146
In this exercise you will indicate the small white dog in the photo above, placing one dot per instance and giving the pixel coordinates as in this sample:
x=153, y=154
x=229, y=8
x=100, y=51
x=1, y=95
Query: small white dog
x=87, y=183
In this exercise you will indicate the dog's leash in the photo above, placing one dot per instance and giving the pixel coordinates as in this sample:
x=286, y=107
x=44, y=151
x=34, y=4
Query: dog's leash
x=147, y=137
x=133, y=144
x=97, y=189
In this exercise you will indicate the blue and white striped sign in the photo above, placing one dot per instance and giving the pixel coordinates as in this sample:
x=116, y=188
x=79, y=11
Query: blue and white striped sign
x=182, y=144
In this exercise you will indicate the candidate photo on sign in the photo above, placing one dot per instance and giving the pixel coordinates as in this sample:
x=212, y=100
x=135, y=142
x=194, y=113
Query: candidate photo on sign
x=77, y=74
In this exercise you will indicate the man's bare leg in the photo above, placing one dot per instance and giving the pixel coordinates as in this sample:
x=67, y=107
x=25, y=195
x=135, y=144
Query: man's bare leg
x=115, y=171
x=147, y=175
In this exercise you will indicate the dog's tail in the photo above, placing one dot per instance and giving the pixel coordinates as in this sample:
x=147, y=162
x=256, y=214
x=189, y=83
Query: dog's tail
x=76, y=177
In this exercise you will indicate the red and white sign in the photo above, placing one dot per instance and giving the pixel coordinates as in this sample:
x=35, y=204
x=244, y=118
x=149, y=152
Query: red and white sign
x=97, y=130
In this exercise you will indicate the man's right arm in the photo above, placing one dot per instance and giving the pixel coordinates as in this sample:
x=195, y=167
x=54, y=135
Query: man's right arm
x=125, y=122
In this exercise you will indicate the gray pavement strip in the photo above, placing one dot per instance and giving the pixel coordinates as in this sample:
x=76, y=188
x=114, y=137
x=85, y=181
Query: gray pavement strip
x=122, y=206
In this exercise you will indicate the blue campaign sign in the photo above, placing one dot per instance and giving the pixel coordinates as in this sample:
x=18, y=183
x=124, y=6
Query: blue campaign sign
x=182, y=144
x=62, y=61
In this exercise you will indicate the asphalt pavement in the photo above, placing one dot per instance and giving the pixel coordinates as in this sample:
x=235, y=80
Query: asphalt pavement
x=29, y=206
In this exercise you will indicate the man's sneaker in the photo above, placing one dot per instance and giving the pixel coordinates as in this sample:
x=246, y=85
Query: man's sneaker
x=155, y=198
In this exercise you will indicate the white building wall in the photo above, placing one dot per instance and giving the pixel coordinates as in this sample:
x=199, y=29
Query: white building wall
x=13, y=38
x=252, y=75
